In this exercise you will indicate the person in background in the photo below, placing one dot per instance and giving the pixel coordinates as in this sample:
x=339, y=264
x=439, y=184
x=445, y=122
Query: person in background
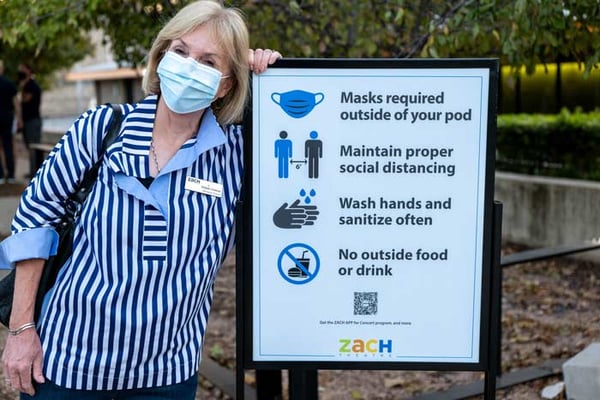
x=127, y=315
x=9, y=110
x=31, y=98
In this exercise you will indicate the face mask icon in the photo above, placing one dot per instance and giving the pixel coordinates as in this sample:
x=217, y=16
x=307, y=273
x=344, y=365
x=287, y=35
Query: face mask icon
x=297, y=103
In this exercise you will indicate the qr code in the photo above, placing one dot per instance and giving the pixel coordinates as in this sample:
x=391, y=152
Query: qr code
x=365, y=303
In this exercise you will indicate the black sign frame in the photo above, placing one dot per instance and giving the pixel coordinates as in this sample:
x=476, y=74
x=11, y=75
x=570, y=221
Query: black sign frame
x=245, y=244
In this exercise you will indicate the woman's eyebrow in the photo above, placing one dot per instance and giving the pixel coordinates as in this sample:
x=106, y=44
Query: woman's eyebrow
x=180, y=41
x=205, y=54
x=215, y=56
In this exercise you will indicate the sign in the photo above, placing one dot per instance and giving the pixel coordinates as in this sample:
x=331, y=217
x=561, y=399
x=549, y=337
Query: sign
x=371, y=185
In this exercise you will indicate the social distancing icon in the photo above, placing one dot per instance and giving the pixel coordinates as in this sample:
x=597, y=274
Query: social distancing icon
x=284, y=154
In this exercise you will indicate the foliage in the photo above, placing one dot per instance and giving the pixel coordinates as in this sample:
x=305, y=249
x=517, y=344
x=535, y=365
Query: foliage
x=564, y=145
x=522, y=32
x=216, y=352
x=45, y=34
x=131, y=25
x=519, y=32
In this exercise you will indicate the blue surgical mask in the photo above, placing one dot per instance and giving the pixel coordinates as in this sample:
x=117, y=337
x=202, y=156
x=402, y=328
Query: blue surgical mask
x=297, y=103
x=185, y=84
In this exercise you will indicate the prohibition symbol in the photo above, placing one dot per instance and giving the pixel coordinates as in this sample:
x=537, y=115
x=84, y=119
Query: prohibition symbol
x=298, y=263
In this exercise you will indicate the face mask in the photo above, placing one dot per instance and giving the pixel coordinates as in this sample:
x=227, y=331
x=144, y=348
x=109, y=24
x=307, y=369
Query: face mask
x=185, y=84
x=21, y=75
x=297, y=103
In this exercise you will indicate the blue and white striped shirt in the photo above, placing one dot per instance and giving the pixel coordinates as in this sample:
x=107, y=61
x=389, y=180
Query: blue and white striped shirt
x=130, y=307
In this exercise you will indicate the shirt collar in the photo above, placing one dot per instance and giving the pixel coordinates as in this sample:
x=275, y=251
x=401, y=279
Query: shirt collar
x=137, y=134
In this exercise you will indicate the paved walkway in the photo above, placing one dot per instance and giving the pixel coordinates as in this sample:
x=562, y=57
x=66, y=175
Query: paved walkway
x=10, y=193
x=8, y=206
x=9, y=202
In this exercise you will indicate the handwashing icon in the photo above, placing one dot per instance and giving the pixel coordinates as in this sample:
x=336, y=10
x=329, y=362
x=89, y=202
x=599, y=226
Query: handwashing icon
x=297, y=103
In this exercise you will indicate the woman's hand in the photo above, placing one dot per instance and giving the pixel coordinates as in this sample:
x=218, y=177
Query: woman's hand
x=22, y=360
x=260, y=59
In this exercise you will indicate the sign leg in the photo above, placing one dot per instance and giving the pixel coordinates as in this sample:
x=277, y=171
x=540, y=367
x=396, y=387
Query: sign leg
x=268, y=384
x=493, y=371
x=303, y=384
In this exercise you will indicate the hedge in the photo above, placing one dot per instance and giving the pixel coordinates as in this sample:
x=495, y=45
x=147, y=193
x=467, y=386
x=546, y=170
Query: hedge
x=561, y=145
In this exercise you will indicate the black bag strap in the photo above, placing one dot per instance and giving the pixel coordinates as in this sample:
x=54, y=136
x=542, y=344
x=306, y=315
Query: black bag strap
x=113, y=129
x=92, y=174
x=65, y=230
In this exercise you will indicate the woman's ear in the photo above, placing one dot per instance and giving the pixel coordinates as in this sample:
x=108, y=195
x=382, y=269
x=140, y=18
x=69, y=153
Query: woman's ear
x=225, y=86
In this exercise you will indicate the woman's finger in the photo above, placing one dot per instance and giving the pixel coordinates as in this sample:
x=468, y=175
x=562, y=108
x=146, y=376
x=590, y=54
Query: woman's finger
x=37, y=373
x=259, y=62
x=23, y=379
x=260, y=59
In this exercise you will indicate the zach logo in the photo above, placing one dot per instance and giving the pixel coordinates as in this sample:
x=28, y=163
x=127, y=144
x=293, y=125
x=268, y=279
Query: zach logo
x=372, y=346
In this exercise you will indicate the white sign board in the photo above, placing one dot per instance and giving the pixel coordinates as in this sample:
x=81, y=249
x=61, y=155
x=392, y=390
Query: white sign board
x=368, y=210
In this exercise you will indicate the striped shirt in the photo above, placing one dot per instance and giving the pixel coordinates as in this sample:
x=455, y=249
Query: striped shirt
x=130, y=307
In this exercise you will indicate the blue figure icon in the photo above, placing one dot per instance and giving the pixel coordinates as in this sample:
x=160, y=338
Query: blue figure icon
x=283, y=153
x=313, y=151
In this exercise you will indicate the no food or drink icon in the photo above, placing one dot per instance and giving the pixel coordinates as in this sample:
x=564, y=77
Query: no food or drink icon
x=298, y=263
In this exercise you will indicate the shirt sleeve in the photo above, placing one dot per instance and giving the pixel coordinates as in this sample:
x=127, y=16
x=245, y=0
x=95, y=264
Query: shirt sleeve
x=33, y=243
x=236, y=170
x=42, y=204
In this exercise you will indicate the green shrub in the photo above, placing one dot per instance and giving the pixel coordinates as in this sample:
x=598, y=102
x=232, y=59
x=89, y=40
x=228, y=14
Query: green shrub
x=562, y=145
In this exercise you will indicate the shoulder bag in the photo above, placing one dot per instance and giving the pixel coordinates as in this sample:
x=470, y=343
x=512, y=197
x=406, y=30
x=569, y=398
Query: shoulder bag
x=65, y=232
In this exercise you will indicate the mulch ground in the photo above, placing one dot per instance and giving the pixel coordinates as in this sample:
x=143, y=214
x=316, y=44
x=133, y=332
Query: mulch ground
x=11, y=189
x=549, y=311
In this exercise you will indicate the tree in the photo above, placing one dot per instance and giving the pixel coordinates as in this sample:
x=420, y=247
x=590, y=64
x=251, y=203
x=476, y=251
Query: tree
x=52, y=34
x=519, y=32
x=44, y=34
x=131, y=25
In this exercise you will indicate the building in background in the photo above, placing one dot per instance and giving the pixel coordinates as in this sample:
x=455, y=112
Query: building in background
x=98, y=79
x=95, y=80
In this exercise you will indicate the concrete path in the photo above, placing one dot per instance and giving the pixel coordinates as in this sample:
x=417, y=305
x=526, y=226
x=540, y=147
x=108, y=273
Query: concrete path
x=8, y=204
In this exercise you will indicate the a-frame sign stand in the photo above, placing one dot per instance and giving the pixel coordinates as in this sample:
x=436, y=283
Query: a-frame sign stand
x=378, y=132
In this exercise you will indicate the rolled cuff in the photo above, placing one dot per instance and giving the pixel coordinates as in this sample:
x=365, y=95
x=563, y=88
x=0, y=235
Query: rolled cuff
x=32, y=243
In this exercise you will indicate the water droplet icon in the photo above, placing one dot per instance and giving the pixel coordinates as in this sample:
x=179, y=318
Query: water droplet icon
x=302, y=192
x=312, y=192
x=307, y=200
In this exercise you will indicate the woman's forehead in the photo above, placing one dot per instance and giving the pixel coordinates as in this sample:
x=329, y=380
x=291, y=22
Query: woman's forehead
x=203, y=38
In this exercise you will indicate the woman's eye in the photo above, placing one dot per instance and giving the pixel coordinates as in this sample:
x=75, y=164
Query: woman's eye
x=180, y=52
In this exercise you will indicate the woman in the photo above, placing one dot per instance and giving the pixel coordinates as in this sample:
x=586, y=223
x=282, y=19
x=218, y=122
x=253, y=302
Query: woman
x=127, y=315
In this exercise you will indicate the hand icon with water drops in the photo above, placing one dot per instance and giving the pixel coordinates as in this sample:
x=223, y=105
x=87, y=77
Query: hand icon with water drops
x=295, y=216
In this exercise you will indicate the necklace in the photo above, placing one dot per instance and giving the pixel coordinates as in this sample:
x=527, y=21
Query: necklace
x=153, y=150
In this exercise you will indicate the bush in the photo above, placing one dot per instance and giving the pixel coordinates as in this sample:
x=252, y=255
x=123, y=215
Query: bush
x=563, y=145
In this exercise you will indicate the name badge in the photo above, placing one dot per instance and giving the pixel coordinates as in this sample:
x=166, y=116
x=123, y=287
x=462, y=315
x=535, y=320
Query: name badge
x=204, y=187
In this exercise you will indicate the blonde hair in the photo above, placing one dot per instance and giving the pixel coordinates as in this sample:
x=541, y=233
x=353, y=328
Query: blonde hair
x=229, y=28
